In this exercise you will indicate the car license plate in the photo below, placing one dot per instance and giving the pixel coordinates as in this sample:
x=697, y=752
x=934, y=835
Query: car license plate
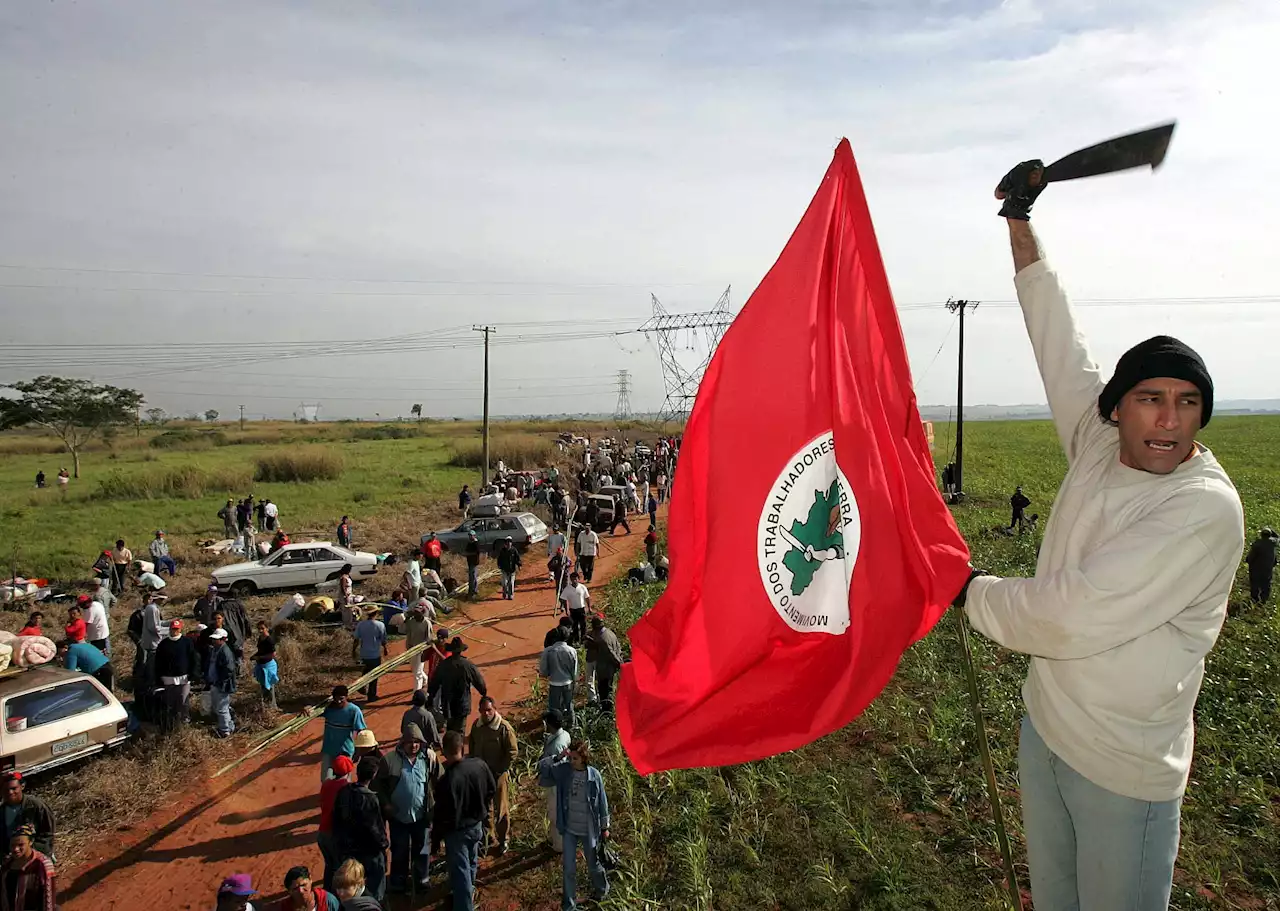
x=71, y=743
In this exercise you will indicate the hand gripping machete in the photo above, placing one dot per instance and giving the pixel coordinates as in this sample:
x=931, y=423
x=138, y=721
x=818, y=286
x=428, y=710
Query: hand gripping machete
x=1146, y=147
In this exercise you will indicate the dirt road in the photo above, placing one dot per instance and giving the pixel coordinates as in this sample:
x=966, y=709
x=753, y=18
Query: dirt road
x=261, y=817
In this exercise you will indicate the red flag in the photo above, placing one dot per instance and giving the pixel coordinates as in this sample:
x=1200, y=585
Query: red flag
x=809, y=545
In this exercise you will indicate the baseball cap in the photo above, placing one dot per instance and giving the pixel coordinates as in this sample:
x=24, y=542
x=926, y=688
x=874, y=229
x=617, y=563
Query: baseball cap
x=237, y=884
x=218, y=634
x=343, y=766
x=83, y=599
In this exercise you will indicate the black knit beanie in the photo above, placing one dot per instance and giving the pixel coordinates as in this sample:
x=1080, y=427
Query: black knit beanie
x=1160, y=355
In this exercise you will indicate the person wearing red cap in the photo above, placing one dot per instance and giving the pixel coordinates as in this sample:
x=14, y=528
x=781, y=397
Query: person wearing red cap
x=342, y=767
x=176, y=661
x=235, y=892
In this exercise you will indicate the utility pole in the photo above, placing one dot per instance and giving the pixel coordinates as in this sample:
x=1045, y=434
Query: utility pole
x=959, y=306
x=484, y=446
x=242, y=419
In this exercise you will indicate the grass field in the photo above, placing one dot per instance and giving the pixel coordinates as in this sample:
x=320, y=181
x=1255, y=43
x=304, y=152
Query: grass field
x=888, y=813
x=891, y=812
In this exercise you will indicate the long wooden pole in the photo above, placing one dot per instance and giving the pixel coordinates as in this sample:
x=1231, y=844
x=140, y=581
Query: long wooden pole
x=984, y=749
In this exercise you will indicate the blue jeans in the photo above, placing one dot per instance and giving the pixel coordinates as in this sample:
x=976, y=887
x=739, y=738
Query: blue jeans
x=1088, y=847
x=166, y=563
x=473, y=580
x=407, y=839
x=560, y=699
x=222, y=712
x=462, y=853
x=508, y=585
x=599, y=883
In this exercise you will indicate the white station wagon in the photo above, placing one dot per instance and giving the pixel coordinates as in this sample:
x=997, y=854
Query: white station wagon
x=300, y=565
x=53, y=716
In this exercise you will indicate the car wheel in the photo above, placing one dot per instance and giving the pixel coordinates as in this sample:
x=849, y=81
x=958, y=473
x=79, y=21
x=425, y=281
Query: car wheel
x=243, y=589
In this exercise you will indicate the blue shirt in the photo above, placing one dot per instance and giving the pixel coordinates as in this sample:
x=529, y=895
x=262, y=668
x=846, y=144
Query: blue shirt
x=81, y=656
x=372, y=636
x=340, y=726
x=410, y=795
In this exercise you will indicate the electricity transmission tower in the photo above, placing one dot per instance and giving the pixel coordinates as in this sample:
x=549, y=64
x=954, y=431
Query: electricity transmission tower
x=665, y=329
x=623, y=409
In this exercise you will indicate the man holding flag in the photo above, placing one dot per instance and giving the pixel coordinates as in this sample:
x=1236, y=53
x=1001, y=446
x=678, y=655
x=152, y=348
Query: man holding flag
x=1129, y=595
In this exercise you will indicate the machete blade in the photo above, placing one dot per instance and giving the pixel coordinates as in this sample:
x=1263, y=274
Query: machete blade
x=1146, y=147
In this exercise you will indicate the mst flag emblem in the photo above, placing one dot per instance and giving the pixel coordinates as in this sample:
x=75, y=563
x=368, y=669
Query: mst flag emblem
x=807, y=542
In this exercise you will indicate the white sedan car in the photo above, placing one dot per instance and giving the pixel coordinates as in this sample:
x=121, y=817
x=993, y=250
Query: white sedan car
x=299, y=565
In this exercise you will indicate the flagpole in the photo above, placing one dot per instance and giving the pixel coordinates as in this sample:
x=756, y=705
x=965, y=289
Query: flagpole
x=984, y=749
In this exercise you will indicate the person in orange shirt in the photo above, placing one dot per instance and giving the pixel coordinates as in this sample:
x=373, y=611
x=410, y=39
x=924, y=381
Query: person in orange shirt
x=33, y=625
x=76, y=628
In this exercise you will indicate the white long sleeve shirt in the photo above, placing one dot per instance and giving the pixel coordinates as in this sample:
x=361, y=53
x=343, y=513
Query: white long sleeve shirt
x=1131, y=586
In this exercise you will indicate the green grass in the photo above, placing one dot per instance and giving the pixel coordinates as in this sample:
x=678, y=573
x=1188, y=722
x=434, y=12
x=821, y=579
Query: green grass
x=891, y=812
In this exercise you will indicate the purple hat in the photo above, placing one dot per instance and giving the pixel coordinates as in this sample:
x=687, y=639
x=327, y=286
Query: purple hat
x=237, y=884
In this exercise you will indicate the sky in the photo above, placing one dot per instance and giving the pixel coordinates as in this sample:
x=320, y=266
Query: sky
x=269, y=204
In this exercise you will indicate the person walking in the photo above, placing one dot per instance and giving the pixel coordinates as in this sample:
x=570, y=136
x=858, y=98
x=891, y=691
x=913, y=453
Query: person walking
x=652, y=506
x=493, y=740
x=344, y=533
x=464, y=500
x=342, y=720
x=159, y=549
x=1130, y=593
x=420, y=717
x=555, y=541
x=582, y=816
x=405, y=785
x=411, y=580
x=463, y=797
x=558, y=664
x=221, y=676
x=661, y=483
x=508, y=563
x=1017, y=505
x=555, y=741
x=176, y=662
x=417, y=630
x=471, y=550
x=265, y=669
x=436, y=653
x=343, y=768
x=587, y=546
x=1262, y=562
x=121, y=557
x=608, y=660
x=371, y=643
x=359, y=831
x=619, y=516
x=577, y=599
x=27, y=876
x=454, y=680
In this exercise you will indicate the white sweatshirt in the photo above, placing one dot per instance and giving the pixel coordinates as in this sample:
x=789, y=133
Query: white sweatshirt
x=1131, y=586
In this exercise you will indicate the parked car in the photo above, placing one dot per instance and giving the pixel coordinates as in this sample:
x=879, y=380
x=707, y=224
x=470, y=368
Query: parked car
x=299, y=565
x=643, y=453
x=53, y=716
x=524, y=528
x=615, y=490
x=604, y=510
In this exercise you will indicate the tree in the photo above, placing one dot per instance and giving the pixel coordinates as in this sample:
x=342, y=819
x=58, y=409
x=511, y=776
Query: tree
x=211, y=415
x=75, y=410
x=416, y=411
x=157, y=416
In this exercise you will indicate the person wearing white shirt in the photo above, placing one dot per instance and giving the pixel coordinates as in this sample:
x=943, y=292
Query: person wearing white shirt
x=578, y=599
x=1129, y=595
x=588, y=545
x=555, y=540
x=97, y=627
x=272, y=512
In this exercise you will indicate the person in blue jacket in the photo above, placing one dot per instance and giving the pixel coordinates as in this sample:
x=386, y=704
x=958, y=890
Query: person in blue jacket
x=582, y=815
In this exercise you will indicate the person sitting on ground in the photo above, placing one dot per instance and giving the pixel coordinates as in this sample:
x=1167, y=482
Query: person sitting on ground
x=343, y=768
x=303, y=895
x=27, y=875
x=83, y=657
x=21, y=808
x=234, y=893
x=160, y=555
x=350, y=885
x=32, y=627
x=359, y=830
